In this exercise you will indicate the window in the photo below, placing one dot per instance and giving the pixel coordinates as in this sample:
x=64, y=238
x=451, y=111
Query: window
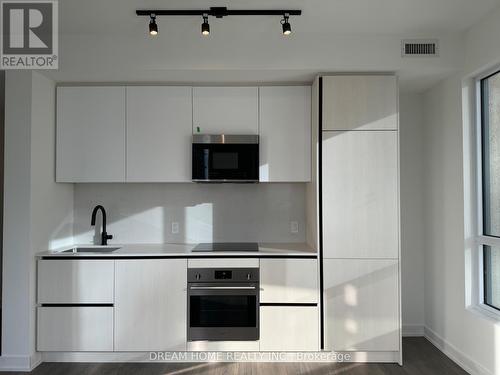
x=490, y=181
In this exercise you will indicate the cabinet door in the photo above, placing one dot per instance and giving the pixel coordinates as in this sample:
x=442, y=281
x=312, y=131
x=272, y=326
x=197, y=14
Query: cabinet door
x=90, y=134
x=289, y=280
x=226, y=110
x=75, y=328
x=289, y=328
x=159, y=129
x=360, y=103
x=361, y=304
x=360, y=194
x=75, y=281
x=285, y=133
x=150, y=305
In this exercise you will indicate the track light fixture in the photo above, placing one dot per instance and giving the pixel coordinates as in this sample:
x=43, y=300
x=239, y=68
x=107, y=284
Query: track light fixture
x=205, y=26
x=218, y=12
x=153, y=27
x=287, y=29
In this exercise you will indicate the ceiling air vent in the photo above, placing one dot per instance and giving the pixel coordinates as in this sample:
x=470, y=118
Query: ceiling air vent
x=420, y=47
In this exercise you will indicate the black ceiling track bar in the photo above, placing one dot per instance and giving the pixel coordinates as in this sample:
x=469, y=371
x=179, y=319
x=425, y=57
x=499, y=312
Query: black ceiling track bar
x=218, y=12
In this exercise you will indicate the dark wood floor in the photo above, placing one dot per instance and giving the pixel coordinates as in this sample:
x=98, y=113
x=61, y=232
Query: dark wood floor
x=420, y=357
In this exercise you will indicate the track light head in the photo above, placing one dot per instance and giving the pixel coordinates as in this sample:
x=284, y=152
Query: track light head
x=205, y=26
x=153, y=27
x=287, y=29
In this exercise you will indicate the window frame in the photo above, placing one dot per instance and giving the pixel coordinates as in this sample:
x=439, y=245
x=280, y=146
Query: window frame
x=478, y=301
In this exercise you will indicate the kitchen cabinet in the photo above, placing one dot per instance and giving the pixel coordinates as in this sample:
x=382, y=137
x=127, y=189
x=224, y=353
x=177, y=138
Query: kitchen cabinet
x=363, y=102
x=361, y=304
x=150, y=305
x=289, y=281
x=360, y=194
x=75, y=328
x=159, y=130
x=75, y=281
x=289, y=328
x=90, y=134
x=285, y=133
x=226, y=110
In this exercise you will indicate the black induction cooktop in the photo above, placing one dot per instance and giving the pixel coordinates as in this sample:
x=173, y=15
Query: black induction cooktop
x=226, y=246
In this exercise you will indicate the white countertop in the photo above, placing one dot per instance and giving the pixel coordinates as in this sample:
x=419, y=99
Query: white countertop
x=182, y=250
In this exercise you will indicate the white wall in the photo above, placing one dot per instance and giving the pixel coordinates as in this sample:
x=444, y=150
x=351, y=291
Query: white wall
x=143, y=213
x=412, y=234
x=35, y=209
x=471, y=339
x=240, y=56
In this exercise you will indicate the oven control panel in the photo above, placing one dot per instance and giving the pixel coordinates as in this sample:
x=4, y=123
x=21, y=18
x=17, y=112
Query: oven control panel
x=223, y=274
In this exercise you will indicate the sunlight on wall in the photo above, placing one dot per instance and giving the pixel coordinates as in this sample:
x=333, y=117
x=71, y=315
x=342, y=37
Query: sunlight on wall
x=351, y=326
x=148, y=226
x=199, y=223
x=351, y=295
x=57, y=243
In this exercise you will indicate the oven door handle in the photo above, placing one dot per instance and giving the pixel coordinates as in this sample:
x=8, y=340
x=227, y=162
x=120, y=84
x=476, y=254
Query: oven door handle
x=222, y=287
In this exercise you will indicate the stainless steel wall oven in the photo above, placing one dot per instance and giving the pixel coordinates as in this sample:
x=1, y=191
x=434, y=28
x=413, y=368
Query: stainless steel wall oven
x=223, y=304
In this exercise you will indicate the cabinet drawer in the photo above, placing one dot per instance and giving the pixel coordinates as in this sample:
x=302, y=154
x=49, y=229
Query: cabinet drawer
x=75, y=281
x=76, y=328
x=289, y=281
x=223, y=263
x=289, y=328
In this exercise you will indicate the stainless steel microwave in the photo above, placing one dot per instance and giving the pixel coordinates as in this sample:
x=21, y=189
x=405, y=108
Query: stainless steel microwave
x=225, y=158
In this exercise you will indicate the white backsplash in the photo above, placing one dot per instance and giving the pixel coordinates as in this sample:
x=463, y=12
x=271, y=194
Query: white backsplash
x=144, y=213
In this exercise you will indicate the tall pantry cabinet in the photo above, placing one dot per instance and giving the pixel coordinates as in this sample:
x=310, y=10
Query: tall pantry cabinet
x=358, y=139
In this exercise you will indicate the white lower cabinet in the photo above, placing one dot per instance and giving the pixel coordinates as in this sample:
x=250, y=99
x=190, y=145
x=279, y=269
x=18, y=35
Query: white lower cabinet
x=150, y=304
x=289, y=328
x=75, y=328
x=289, y=281
x=75, y=281
x=361, y=304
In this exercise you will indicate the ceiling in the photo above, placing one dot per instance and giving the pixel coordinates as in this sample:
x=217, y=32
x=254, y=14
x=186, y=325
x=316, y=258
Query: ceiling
x=390, y=17
x=104, y=41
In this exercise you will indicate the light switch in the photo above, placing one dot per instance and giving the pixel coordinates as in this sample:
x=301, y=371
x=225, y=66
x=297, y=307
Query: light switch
x=175, y=227
x=294, y=227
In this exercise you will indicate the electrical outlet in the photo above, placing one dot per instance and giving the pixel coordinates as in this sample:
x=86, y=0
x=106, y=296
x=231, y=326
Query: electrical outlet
x=294, y=227
x=175, y=227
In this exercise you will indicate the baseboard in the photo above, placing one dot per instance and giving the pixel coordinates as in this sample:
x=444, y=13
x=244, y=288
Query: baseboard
x=457, y=356
x=20, y=363
x=413, y=330
x=202, y=357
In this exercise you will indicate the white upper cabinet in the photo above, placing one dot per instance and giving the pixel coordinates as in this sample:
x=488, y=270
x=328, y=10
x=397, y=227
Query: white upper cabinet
x=90, y=134
x=159, y=129
x=360, y=194
x=226, y=110
x=360, y=103
x=285, y=134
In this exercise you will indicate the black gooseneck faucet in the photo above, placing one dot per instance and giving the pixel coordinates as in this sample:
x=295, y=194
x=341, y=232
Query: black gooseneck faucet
x=104, y=236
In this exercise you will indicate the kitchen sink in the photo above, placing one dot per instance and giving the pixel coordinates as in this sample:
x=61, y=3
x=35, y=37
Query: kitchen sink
x=92, y=249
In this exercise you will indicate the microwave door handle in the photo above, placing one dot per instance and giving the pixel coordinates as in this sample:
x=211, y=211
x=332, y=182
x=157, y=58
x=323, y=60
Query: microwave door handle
x=222, y=287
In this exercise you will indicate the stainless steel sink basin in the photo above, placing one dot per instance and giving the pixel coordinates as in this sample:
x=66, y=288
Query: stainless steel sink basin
x=91, y=249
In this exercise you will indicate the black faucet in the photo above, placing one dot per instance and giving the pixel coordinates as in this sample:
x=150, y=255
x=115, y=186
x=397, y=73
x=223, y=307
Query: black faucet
x=104, y=236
